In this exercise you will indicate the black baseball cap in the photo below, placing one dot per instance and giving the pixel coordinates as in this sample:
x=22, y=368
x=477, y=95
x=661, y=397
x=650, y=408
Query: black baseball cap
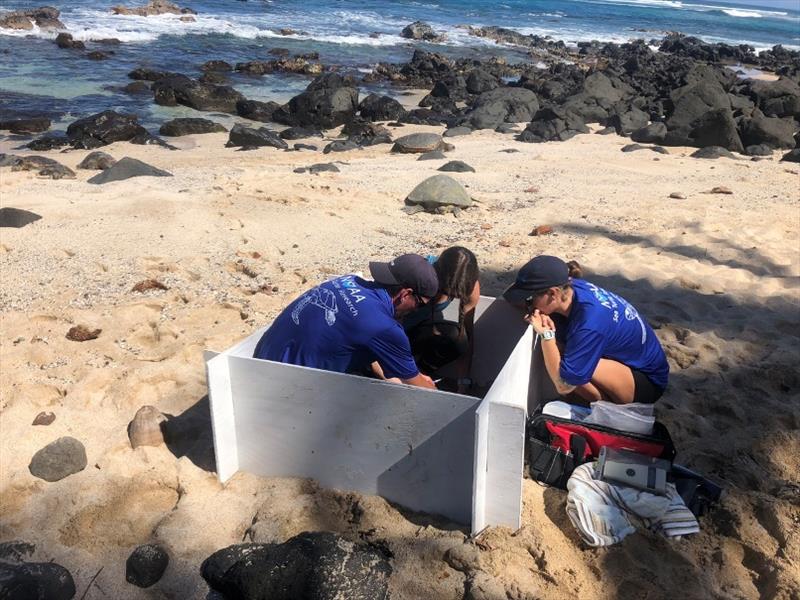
x=408, y=270
x=536, y=275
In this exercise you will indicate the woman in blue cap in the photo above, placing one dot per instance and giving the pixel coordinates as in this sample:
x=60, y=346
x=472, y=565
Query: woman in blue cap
x=594, y=342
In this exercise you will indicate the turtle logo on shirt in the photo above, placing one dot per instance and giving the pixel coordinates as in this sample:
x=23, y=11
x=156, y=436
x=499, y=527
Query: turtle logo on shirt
x=631, y=314
x=321, y=298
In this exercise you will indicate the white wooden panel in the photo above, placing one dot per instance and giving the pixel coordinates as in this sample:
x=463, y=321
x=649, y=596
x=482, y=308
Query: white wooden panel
x=248, y=345
x=496, y=335
x=410, y=445
x=541, y=388
x=480, y=467
x=222, y=417
x=507, y=400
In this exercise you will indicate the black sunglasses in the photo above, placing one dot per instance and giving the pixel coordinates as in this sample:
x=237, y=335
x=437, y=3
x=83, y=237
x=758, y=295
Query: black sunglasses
x=420, y=300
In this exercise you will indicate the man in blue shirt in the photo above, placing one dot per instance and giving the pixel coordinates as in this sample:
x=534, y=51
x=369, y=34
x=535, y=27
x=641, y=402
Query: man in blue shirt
x=348, y=323
x=594, y=342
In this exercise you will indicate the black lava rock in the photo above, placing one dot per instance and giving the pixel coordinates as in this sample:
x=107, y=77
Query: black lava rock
x=35, y=581
x=146, y=565
x=313, y=566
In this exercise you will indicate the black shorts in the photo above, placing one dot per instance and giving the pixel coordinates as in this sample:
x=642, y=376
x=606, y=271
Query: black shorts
x=644, y=390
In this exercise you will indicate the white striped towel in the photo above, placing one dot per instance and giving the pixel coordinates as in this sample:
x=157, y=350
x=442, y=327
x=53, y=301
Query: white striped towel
x=604, y=514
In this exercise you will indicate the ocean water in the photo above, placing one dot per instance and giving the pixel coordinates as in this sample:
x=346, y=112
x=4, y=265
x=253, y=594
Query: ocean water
x=38, y=77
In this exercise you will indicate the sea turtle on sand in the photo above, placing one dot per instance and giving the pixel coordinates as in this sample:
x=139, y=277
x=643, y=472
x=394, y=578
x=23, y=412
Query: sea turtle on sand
x=322, y=298
x=438, y=194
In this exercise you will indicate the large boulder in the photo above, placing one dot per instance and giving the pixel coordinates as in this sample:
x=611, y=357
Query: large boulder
x=438, y=193
x=777, y=98
x=152, y=8
x=58, y=459
x=380, y=108
x=318, y=566
x=418, y=143
x=692, y=101
x=126, y=168
x=102, y=129
x=552, y=124
x=772, y=131
x=502, y=105
x=256, y=111
x=187, y=126
x=654, y=133
x=716, y=128
x=248, y=136
x=426, y=67
x=329, y=101
x=419, y=30
x=180, y=89
x=627, y=121
x=479, y=81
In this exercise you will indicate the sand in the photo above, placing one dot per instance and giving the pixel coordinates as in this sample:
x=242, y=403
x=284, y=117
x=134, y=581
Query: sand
x=235, y=236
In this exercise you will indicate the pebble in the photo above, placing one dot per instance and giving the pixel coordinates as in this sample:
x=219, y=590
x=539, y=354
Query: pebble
x=678, y=196
x=721, y=189
x=44, y=418
x=80, y=333
x=541, y=230
x=149, y=284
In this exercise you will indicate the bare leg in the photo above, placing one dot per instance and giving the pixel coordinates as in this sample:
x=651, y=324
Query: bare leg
x=613, y=381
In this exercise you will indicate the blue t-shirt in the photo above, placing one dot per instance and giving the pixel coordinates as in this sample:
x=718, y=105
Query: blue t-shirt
x=341, y=325
x=604, y=325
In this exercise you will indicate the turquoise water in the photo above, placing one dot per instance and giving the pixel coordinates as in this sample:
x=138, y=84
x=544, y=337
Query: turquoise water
x=37, y=76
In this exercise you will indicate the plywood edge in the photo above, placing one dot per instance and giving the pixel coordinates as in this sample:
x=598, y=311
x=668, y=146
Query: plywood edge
x=223, y=420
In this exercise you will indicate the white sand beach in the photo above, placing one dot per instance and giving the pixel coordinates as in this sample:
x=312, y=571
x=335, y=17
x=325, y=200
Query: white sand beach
x=235, y=236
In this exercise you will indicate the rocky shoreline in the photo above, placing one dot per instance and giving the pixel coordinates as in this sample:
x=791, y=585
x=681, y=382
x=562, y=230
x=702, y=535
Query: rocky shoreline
x=684, y=94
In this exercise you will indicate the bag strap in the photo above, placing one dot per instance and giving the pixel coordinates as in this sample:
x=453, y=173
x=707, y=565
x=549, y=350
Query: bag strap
x=577, y=447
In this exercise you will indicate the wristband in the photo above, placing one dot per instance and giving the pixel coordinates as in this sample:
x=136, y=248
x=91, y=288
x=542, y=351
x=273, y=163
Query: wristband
x=548, y=334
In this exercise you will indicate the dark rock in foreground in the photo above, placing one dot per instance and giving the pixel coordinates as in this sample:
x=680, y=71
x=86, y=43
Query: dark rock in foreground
x=552, y=124
x=35, y=581
x=322, y=566
x=126, y=168
x=49, y=142
x=247, y=136
x=146, y=565
x=189, y=126
x=58, y=459
x=16, y=217
x=650, y=134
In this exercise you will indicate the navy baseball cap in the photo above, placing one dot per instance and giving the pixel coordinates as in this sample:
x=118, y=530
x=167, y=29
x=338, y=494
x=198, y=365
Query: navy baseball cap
x=536, y=275
x=408, y=270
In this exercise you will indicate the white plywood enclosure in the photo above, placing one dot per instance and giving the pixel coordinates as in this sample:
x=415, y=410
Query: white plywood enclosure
x=449, y=454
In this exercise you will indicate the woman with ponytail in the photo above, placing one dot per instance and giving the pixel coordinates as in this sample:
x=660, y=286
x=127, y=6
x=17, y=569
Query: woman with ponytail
x=594, y=342
x=435, y=341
